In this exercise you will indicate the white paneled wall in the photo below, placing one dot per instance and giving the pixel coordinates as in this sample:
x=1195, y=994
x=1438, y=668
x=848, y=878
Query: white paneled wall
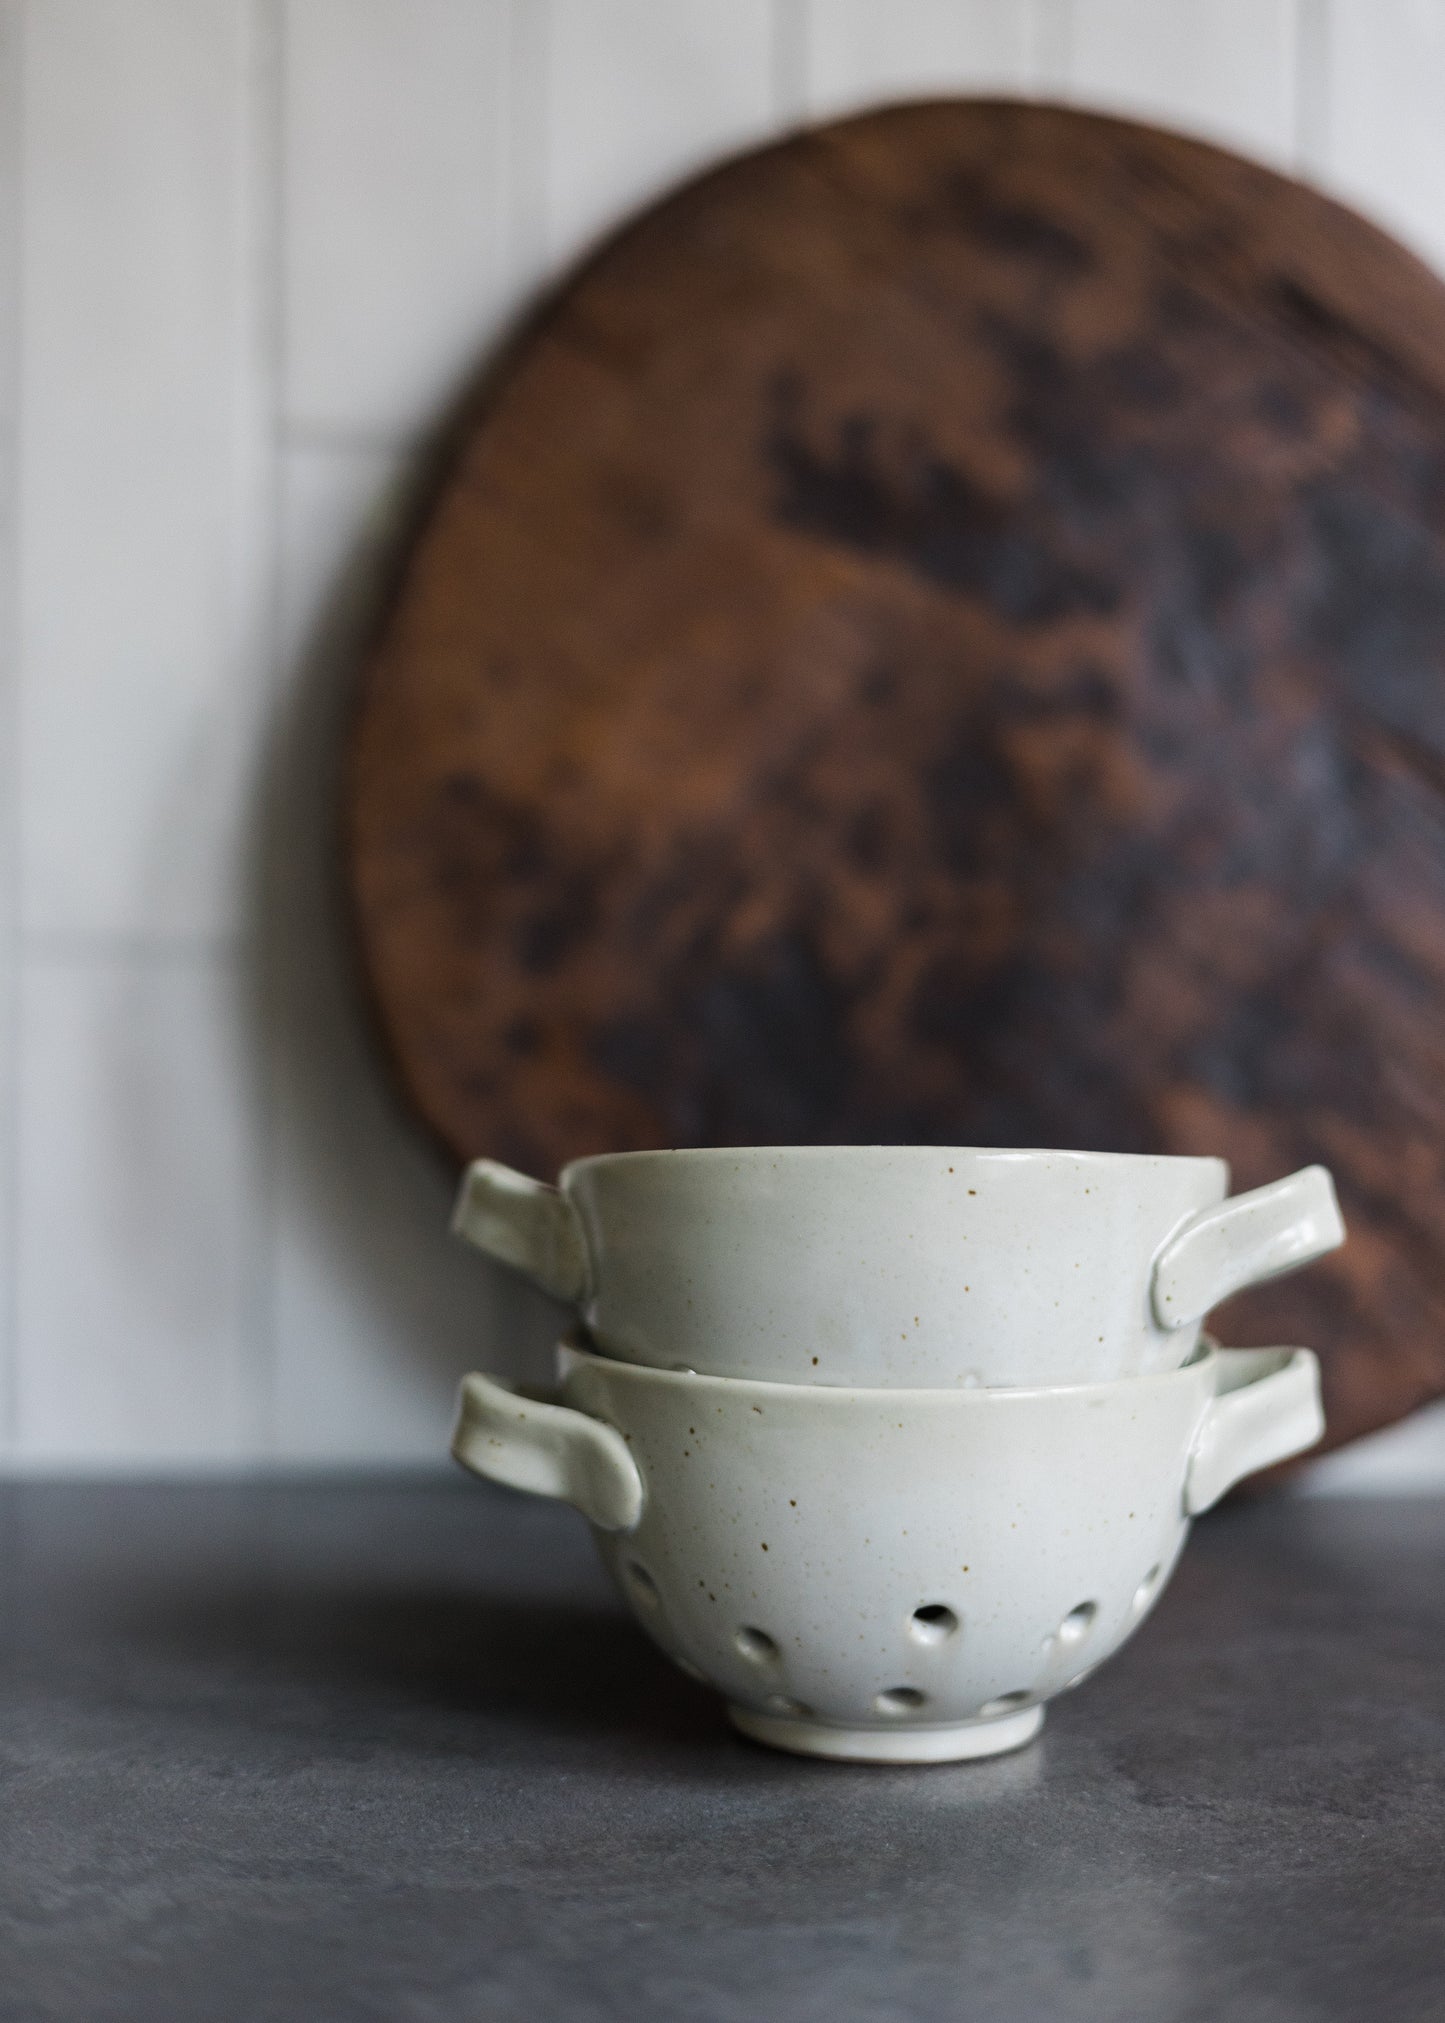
x=855, y=51
x=144, y=454
x=638, y=95
x=10, y=51
x=1380, y=122
x=395, y=189
x=1223, y=68
x=139, y=1233
x=250, y=251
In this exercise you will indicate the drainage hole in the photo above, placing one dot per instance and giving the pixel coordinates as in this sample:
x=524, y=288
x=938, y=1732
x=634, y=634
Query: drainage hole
x=1005, y=1703
x=1075, y=1626
x=1144, y=1593
x=899, y=1700
x=644, y=1586
x=757, y=1645
x=932, y=1624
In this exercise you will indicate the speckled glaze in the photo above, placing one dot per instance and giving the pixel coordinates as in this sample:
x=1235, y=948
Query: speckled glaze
x=891, y=1575
x=897, y=1265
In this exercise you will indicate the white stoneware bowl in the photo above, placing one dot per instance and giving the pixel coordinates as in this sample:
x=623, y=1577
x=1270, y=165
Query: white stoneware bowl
x=891, y=1576
x=897, y=1265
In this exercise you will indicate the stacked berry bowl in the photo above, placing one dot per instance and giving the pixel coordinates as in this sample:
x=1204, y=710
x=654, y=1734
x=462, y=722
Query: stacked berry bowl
x=892, y=1444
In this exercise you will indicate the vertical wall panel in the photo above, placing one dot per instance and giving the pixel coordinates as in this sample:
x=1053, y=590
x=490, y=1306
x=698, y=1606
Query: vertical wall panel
x=376, y=1309
x=395, y=149
x=638, y=95
x=142, y=459
x=1382, y=124
x=1225, y=70
x=10, y=45
x=1050, y=30
x=858, y=51
x=527, y=147
x=139, y=1213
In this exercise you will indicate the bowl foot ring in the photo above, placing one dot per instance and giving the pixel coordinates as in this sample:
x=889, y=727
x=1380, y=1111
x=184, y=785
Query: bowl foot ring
x=953, y=1742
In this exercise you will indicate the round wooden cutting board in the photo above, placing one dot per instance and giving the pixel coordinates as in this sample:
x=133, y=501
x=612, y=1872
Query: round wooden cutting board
x=937, y=634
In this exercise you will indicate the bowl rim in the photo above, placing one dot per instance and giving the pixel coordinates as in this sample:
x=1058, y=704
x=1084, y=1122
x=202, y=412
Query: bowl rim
x=1207, y=1367
x=863, y=1155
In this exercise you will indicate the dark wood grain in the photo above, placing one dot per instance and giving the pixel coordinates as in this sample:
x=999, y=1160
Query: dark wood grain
x=938, y=636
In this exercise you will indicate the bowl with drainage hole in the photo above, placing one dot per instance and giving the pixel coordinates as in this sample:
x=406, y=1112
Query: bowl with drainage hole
x=891, y=1576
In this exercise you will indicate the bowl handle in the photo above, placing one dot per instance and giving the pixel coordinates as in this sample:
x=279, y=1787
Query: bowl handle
x=523, y=1223
x=1266, y=1407
x=1250, y=1237
x=547, y=1449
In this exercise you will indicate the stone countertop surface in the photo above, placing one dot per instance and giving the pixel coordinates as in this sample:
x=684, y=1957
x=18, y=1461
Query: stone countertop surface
x=393, y=1750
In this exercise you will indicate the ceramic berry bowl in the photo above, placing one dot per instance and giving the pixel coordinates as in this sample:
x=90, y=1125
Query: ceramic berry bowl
x=891, y=1575
x=903, y=1266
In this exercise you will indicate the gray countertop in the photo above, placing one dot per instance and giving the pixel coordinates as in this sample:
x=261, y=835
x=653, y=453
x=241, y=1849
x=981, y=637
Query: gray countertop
x=394, y=1751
